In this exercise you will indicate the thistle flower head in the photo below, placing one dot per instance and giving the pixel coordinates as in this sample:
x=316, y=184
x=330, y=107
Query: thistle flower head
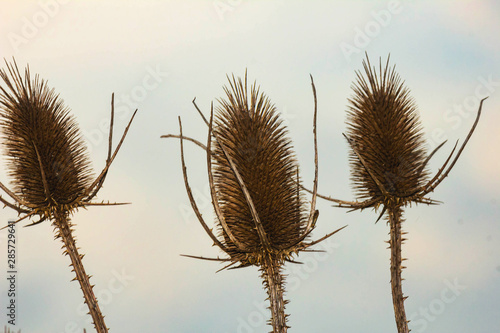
x=388, y=158
x=253, y=136
x=46, y=156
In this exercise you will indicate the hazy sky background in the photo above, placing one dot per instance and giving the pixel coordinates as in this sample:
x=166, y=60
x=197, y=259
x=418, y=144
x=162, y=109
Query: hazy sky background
x=157, y=56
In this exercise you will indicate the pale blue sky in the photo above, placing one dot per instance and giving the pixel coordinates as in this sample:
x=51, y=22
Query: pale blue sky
x=159, y=55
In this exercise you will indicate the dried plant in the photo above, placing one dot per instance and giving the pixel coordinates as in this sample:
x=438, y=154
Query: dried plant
x=388, y=159
x=48, y=164
x=255, y=188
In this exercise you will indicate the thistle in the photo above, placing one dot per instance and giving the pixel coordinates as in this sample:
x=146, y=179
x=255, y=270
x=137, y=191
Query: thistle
x=389, y=160
x=262, y=218
x=48, y=165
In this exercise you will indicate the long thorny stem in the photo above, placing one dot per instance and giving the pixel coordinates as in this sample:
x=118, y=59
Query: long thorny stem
x=274, y=283
x=395, y=220
x=63, y=228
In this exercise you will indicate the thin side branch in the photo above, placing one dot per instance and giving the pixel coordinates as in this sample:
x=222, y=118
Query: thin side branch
x=25, y=217
x=111, y=122
x=191, y=198
x=196, y=142
x=323, y=238
x=199, y=111
x=13, y=206
x=315, y=184
x=205, y=258
x=343, y=203
x=42, y=173
x=362, y=160
x=97, y=184
x=429, y=158
x=213, y=194
x=251, y=206
x=13, y=195
x=106, y=203
x=255, y=216
x=433, y=186
x=313, y=215
x=436, y=176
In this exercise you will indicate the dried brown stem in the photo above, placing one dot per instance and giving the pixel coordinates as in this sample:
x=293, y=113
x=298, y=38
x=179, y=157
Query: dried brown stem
x=274, y=283
x=395, y=219
x=63, y=228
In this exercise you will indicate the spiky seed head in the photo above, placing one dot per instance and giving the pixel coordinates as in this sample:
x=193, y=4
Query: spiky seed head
x=42, y=140
x=251, y=131
x=384, y=128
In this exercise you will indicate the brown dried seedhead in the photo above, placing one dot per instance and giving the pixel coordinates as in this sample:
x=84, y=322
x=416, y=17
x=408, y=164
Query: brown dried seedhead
x=254, y=180
x=47, y=159
x=383, y=126
x=388, y=156
x=254, y=138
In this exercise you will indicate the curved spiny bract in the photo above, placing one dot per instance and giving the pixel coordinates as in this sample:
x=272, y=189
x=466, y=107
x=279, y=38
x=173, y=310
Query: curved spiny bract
x=48, y=164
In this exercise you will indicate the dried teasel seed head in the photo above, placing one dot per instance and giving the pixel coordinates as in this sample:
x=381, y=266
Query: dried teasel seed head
x=46, y=156
x=253, y=135
x=388, y=155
